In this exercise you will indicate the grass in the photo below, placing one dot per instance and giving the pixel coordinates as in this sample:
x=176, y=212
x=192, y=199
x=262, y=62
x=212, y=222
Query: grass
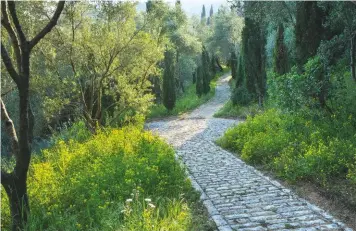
x=229, y=110
x=119, y=179
x=187, y=101
x=236, y=111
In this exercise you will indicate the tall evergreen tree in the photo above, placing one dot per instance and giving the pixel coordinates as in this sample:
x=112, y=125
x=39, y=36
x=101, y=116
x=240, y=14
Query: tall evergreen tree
x=211, y=11
x=253, y=44
x=199, y=84
x=240, y=73
x=213, y=66
x=249, y=72
x=233, y=65
x=169, y=92
x=240, y=95
x=203, y=15
x=308, y=31
x=280, y=55
x=205, y=71
x=210, y=18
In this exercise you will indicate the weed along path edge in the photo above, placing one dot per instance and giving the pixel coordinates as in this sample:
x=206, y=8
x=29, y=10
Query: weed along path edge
x=236, y=195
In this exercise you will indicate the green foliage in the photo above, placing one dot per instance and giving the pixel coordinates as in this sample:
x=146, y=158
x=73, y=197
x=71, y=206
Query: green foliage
x=212, y=65
x=281, y=65
x=76, y=131
x=308, y=31
x=187, y=66
x=186, y=102
x=253, y=43
x=83, y=184
x=203, y=15
x=296, y=146
x=169, y=92
x=241, y=96
x=240, y=76
x=206, y=75
x=233, y=65
x=294, y=91
x=199, y=83
x=226, y=33
x=229, y=110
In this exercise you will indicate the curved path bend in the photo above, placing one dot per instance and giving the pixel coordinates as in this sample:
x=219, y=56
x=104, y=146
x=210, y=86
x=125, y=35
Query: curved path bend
x=236, y=195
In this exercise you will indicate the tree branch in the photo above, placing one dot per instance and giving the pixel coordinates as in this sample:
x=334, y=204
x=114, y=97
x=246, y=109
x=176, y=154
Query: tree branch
x=10, y=129
x=16, y=22
x=15, y=44
x=49, y=26
x=8, y=64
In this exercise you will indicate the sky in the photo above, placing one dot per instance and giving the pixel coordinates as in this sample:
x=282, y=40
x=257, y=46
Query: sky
x=195, y=6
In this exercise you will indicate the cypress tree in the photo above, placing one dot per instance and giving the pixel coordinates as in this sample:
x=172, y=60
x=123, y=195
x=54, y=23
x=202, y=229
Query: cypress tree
x=249, y=71
x=233, y=65
x=199, y=84
x=205, y=71
x=203, y=15
x=240, y=73
x=308, y=31
x=210, y=18
x=212, y=66
x=169, y=92
x=253, y=51
x=280, y=55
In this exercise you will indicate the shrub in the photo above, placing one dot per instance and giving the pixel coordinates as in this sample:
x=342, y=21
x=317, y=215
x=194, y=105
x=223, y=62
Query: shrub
x=76, y=185
x=296, y=146
x=319, y=160
x=240, y=95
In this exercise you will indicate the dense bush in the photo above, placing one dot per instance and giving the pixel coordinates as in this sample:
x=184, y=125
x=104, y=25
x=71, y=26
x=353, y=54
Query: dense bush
x=314, y=147
x=83, y=184
x=294, y=91
x=241, y=96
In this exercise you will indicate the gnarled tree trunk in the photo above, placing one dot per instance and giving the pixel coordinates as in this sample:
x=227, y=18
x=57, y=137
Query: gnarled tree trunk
x=15, y=182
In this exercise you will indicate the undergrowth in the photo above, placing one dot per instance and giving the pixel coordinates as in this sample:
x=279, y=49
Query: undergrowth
x=297, y=147
x=118, y=179
x=229, y=110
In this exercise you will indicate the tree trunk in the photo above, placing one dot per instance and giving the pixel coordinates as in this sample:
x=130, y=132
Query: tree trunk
x=15, y=183
x=16, y=190
x=31, y=118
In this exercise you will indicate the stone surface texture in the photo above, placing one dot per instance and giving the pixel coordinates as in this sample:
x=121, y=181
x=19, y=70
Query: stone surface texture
x=236, y=195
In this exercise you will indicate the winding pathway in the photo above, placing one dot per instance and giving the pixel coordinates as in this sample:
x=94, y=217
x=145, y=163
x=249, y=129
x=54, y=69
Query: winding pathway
x=237, y=196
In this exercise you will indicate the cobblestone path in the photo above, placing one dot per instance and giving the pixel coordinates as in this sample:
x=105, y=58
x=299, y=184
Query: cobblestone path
x=237, y=196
